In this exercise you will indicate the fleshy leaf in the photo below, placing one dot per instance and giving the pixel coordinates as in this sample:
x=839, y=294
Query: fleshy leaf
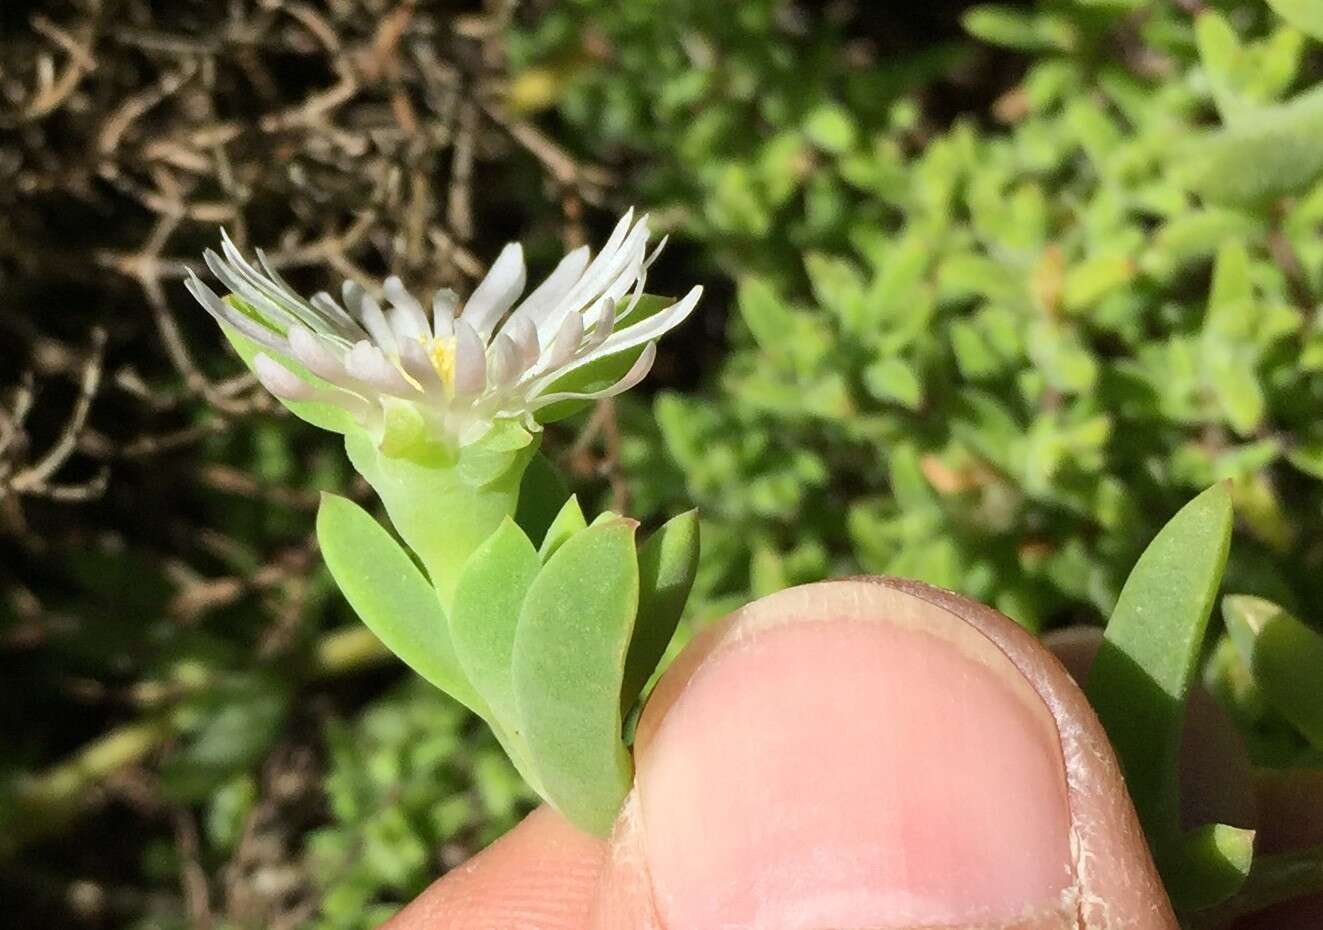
x=569, y=662
x=569, y=521
x=1285, y=657
x=391, y=596
x=1140, y=680
x=1305, y=15
x=1219, y=858
x=485, y=614
x=1267, y=153
x=323, y=416
x=668, y=562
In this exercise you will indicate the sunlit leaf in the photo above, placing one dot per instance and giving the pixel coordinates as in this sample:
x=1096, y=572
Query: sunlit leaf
x=1285, y=657
x=668, y=561
x=569, y=661
x=391, y=596
x=485, y=614
x=1144, y=670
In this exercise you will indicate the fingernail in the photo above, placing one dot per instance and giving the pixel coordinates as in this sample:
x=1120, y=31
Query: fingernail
x=827, y=768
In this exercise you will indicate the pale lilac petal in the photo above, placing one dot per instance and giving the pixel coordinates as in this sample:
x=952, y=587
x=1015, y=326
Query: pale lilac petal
x=505, y=361
x=336, y=320
x=556, y=285
x=417, y=365
x=524, y=335
x=643, y=331
x=250, y=283
x=224, y=313
x=286, y=385
x=407, y=317
x=565, y=344
x=280, y=381
x=497, y=292
x=347, y=327
x=637, y=372
x=470, y=360
x=315, y=356
x=445, y=304
x=603, y=324
x=375, y=322
x=367, y=363
x=271, y=311
x=610, y=270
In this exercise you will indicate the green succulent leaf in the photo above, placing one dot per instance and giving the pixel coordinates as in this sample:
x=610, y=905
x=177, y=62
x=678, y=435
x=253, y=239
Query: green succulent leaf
x=1219, y=858
x=1267, y=153
x=391, y=596
x=1143, y=673
x=569, y=521
x=485, y=615
x=1285, y=657
x=1305, y=15
x=668, y=562
x=569, y=662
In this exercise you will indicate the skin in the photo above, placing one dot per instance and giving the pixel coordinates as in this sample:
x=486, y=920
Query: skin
x=865, y=754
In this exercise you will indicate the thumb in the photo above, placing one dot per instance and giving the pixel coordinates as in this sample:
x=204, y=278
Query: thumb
x=873, y=753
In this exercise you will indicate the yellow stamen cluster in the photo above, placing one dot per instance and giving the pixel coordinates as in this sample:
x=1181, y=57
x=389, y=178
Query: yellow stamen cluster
x=442, y=354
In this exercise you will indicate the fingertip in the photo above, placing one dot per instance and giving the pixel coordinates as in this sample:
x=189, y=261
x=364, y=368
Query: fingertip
x=873, y=753
x=542, y=875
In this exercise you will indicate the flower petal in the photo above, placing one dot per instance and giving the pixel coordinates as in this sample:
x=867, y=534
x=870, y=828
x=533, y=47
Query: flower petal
x=315, y=356
x=369, y=365
x=524, y=335
x=637, y=372
x=606, y=272
x=497, y=292
x=470, y=360
x=505, y=361
x=224, y=313
x=336, y=319
x=407, y=317
x=556, y=285
x=349, y=331
x=285, y=385
x=565, y=344
x=280, y=381
x=375, y=322
x=417, y=365
x=445, y=304
x=645, y=330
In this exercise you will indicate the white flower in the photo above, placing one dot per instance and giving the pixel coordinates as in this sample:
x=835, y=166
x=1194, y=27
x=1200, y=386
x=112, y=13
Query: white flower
x=471, y=363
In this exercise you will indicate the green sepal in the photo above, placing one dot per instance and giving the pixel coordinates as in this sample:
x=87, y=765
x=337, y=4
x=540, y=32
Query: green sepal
x=668, y=562
x=568, y=664
x=323, y=416
x=1284, y=656
x=391, y=596
x=569, y=521
x=1145, y=667
x=438, y=512
x=492, y=456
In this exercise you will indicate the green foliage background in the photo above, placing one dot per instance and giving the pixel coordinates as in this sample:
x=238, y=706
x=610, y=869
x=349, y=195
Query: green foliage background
x=986, y=307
